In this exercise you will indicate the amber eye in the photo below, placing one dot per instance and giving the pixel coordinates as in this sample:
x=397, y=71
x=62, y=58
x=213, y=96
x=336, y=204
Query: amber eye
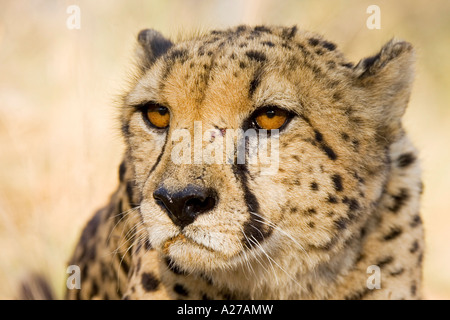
x=157, y=115
x=270, y=118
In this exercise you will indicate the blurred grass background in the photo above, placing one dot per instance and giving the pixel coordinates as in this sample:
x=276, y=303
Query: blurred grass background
x=59, y=142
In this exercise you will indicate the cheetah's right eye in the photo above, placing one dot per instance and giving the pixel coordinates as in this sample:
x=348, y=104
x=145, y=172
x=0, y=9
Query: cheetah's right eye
x=156, y=115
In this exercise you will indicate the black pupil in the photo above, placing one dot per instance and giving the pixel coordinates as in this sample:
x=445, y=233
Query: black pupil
x=270, y=114
x=162, y=111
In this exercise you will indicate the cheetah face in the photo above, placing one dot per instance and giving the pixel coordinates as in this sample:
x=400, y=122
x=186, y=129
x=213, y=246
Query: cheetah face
x=331, y=137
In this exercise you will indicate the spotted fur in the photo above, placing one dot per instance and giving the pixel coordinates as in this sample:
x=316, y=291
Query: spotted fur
x=346, y=195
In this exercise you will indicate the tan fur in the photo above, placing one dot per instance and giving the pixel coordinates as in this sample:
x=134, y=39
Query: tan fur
x=345, y=197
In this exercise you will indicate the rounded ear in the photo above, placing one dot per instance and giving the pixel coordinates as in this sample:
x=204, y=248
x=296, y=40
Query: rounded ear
x=152, y=44
x=386, y=80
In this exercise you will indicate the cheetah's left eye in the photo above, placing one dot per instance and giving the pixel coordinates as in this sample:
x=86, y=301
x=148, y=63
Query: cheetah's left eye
x=270, y=118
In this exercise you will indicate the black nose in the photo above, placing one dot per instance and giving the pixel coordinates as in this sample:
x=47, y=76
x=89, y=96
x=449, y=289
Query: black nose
x=185, y=205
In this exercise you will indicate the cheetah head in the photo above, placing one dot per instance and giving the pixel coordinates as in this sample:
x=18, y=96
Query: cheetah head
x=328, y=126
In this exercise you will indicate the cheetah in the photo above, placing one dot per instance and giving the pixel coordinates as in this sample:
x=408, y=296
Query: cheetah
x=344, y=200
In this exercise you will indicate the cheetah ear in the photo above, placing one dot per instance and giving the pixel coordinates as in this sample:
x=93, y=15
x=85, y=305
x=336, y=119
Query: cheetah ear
x=152, y=44
x=386, y=79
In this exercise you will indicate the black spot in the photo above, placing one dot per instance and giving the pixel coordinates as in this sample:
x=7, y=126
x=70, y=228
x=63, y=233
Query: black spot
x=318, y=136
x=268, y=43
x=399, y=200
x=337, y=96
x=242, y=65
x=205, y=297
x=262, y=29
x=210, y=53
x=406, y=159
x=328, y=45
x=337, y=181
x=352, y=203
x=332, y=199
x=311, y=211
x=341, y=223
x=416, y=221
x=319, y=52
x=296, y=158
x=329, y=152
x=254, y=83
x=420, y=259
x=256, y=55
x=345, y=136
x=178, y=54
x=294, y=209
x=311, y=224
x=149, y=281
x=313, y=41
x=414, y=247
x=384, y=261
x=393, y=233
x=314, y=186
x=241, y=28
x=182, y=291
x=289, y=33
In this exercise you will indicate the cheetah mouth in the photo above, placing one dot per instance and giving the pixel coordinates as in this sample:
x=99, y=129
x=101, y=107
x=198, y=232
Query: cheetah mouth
x=192, y=254
x=182, y=239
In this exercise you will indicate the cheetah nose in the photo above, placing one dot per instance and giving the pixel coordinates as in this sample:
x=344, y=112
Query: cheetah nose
x=184, y=206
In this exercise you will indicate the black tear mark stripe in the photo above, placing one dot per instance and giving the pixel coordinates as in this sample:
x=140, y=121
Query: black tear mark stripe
x=321, y=143
x=122, y=170
x=253, y=228
x=159, y=156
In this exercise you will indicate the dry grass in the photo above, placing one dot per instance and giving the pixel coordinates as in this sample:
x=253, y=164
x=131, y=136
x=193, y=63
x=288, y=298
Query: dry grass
x=60, y=147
